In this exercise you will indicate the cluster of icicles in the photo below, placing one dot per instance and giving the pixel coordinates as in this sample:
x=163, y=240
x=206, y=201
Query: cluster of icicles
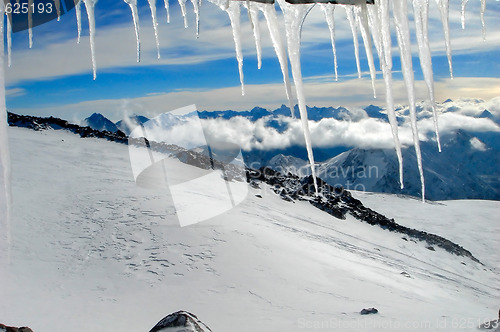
x=373, y=22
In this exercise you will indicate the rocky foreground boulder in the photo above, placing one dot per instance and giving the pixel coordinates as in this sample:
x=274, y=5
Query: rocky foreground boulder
x=180, y=321
x=4, y=328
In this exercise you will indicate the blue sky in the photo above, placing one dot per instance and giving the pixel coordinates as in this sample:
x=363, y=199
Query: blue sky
x=55, y=76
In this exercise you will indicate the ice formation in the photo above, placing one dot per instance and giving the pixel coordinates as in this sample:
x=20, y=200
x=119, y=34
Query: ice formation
x=78, y=11
x=135, y=17
x=294, y=19
x=90, y=6
x=444, y=8
x=152, y=6
x=329, y=10
x=400, y=12
x=421, y=18
x=349, y=11
x=362, y=19
x=4, y=155
x=253, y=12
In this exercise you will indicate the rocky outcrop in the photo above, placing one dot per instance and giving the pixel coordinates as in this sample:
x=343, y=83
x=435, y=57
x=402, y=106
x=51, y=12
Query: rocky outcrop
x=4, y=328
x=339, y=202
x=181, y=321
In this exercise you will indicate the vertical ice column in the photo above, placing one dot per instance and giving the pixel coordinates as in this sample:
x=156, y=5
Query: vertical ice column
x=167, y=8
x=30, y=24
x=253, y=12
x=57, y=4
x=444, y=9
x=182, y=4
x=483, y=23
x=400, y=12
x=464, y=4
x=352, y=22
x=328, y=10
x=196, y=8
x=421, y=18
x=90, y=6
x=380, y=27
x=269, y=12
x=152, y=6
x=78, y=12
x=9, y=39
x=234, y=11
x=361, y=17
x=5, y=197
x=135, y=17
x=294, y=19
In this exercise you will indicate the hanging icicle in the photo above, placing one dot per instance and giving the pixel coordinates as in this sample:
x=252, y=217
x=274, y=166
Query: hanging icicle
x=444, y=9
x=90, y=6
x=271, y=18
x=57, y=4
x=182, y=4
x=78, y=11
x=483, y=24
x=400, y=12
x=234, y=11
x=352, y=22
x=294, y=19
x=464, y=4
x=253, y=12
x=135, y=17
x=362, y=19
x=329, y=10
x=152, y=6
x=9, y=39
x=167, y=9
x=30, y=23
x=379, y=20
x=196, y=8
x=421, y=18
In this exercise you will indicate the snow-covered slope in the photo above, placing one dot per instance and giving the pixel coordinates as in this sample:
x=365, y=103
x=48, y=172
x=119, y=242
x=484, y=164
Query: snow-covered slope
x=91, y=251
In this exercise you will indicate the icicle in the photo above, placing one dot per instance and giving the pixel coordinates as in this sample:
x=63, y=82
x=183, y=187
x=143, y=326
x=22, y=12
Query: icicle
x=400, y=12
x=135, y=17
x=421, y=18
x=269, y=12
x=378, y=16
x=167, y=8
x=328, y=10
x=196, y=7
x=152, y=6
x=464, y=4
x=253, y=12
x=444, y=6
x=361, y=17
x=294, y=18
x=9, y=39
x=78, y=11
x=483, y=10
x=57, y=4
x=30, y=24
x=352, y=22
x=234, y=12
x=89, y=6
x=182, y=3
x=5, y=193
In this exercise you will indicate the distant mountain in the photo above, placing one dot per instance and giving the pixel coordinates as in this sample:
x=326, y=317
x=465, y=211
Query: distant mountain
x=466, y=168
x=99, y=122
x=129, y=124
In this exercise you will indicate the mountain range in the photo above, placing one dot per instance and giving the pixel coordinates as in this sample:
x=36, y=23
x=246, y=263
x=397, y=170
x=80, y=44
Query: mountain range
x=466, y=167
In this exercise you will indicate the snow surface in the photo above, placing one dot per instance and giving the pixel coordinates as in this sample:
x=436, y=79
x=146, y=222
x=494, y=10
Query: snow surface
x=91, y=251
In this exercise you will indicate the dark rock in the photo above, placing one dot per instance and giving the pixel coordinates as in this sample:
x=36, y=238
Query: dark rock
x=183, y=320
x=368, y=311
x=4, y=328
